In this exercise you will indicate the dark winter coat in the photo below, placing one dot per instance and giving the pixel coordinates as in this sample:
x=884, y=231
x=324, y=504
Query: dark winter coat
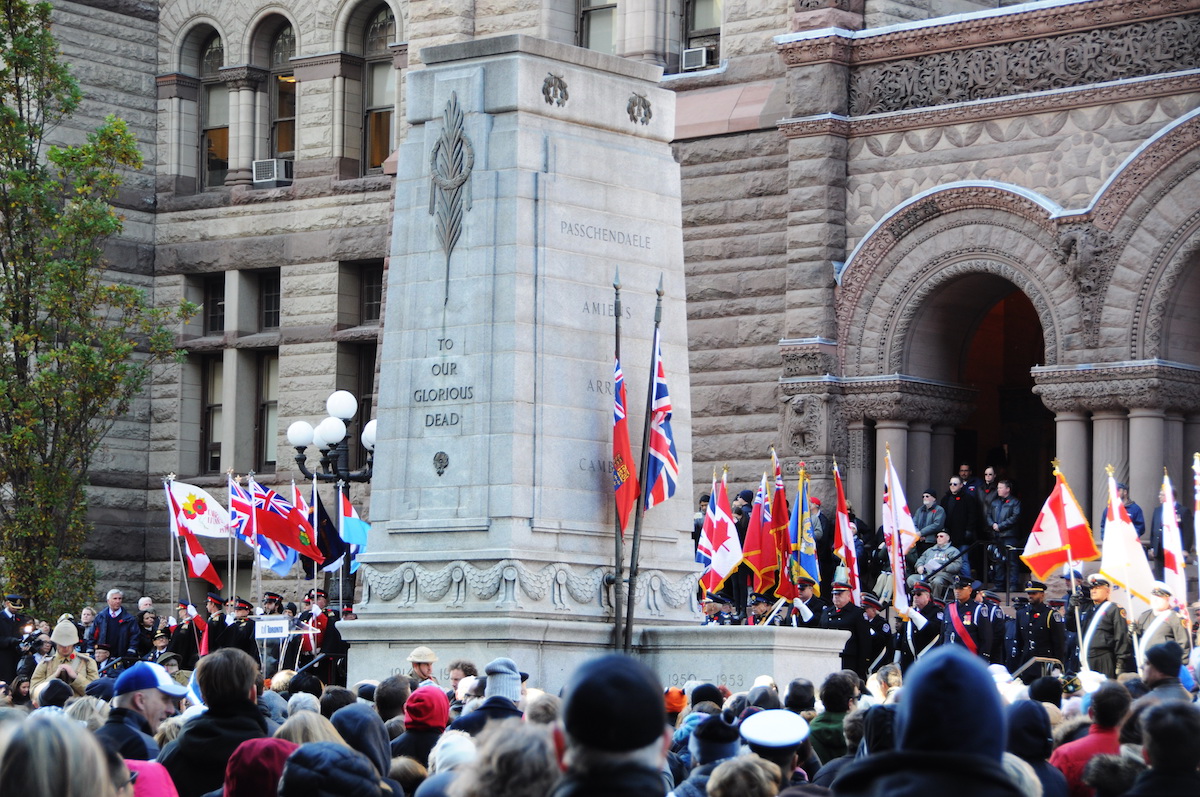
x=128, y=733
x=1030, y=739
x=197, y=758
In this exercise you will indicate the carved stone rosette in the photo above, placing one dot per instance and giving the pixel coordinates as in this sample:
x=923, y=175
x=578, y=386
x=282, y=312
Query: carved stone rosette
x=1149, y=384
x=509, y=584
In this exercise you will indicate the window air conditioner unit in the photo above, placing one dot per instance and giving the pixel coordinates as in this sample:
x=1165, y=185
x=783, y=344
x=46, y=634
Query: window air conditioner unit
x=695, y=58
x=273, y=173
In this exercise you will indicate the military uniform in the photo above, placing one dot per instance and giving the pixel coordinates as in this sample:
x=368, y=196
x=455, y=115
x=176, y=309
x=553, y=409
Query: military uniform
x=185, y=641
x=1153, y=628
x=11, y=624
x=215, y=626
x=240, y=633
x=968, y=623
x=1000, y=622
x=853, y=619
x=1041, y=633
x=879, y=636
x=912, y=642
x=1104, y=641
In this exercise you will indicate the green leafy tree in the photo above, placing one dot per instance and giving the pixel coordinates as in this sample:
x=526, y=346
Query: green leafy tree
x=76, y=347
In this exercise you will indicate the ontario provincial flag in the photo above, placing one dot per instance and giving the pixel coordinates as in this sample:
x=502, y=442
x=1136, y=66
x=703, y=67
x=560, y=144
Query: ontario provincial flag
x=663, y=470
x=276, y=518
x=624, y=469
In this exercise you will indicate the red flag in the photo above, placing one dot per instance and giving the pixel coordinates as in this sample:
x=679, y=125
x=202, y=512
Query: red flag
x=760, y=551
x=843, y=538
x=777, y=529
x=624, y=468
x=198, y=563
x=277, y=519
x=1061, y=532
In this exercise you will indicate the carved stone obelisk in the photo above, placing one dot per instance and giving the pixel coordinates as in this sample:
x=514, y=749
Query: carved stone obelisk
x=532, y=172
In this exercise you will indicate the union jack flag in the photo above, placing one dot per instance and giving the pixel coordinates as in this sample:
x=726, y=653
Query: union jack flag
x=268, y=499
x=663, y=470
x=241, y=507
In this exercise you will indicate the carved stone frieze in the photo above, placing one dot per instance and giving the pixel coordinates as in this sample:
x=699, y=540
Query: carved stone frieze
x=1132, y=181
x=1135, y=50
x=899, y=398
x=510, y=584
x=809, y=360
x=1148, y=384
x=993, y=29
x=927, y=118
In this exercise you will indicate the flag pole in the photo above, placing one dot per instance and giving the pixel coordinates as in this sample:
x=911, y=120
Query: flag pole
x=643, y=465
x=170, y=478
x=342, y=534
x=619, y=537
x=175, y=542
x=1083, y=665
x=256, y=570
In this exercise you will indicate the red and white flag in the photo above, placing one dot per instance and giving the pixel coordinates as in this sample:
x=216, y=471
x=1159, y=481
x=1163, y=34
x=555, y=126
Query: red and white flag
x=197, y=561
x=1122, y=559
x=201, y=513
x=843, y=538
x=1060, y=534
x=719, y=546
x=1172, y=543
x=899, y=532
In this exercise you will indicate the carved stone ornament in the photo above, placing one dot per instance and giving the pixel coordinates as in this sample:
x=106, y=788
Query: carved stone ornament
x=808, y=363
x=1149, y=384
x=638, y=109
x=509, y=584
x=441, y=461
x=1128, y=51
x=243, y=77
x=450, y=164
x=1086, y=254
x=554, y=90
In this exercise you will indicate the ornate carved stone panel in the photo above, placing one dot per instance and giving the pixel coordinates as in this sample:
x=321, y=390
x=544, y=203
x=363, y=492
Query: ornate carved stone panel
x=1141, y=385
x=1055, y=62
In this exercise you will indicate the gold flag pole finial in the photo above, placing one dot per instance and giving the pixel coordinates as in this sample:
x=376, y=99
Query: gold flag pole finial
x=1110, y=470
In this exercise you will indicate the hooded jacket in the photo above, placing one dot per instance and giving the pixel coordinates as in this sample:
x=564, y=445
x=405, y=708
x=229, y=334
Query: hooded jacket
x=936, y=751
x=197, y=758
x=1031, y=739
x=363, y=730
x=493, y=708
x=425, y=716
x=328, y=769
x=254, y=768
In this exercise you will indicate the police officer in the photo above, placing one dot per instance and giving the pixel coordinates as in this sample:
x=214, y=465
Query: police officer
x=760, y=610
x=967, y=622
x=921, y=631
x=11, y=634
x=240, y=633
x=1041, y=632
x=272, y=604
x=1000, y=622
x=216, y=622
x=716, y=610
x=845, y=615
x=1104, y=642
x=1160, y=622
x=879, y=637
x=808, y=609
x=185, y=641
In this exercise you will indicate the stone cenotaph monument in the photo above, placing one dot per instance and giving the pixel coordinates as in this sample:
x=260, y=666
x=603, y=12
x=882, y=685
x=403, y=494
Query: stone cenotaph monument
x=533, y=172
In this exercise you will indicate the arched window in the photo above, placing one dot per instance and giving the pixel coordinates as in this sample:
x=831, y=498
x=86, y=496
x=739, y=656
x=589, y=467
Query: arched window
x=214, y=113
x=283, y=94
x=379, y=91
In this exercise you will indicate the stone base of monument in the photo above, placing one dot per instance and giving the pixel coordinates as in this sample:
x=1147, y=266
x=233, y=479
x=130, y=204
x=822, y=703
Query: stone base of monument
x=549, y=650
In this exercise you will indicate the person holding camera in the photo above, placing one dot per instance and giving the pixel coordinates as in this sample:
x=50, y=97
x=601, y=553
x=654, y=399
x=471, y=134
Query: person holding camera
x=76, y=669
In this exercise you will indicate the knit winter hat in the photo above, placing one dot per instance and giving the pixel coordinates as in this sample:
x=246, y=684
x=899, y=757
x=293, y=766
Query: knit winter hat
x=714, y=739
x=427, y=707
x=503, y=679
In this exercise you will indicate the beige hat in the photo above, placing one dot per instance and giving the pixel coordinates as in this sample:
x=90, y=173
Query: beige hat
x=65, y=633
x=422, y=655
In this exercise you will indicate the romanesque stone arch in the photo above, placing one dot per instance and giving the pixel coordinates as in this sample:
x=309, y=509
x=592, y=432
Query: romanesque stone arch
x=944, y=237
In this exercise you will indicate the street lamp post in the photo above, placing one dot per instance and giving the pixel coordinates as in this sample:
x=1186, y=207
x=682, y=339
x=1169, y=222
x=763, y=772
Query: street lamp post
x=329, y=436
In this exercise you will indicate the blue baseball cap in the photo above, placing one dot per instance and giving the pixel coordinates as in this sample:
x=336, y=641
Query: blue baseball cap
x=147, y=675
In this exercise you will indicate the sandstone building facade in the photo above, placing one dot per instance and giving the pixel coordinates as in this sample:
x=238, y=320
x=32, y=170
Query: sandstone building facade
x=958, y=230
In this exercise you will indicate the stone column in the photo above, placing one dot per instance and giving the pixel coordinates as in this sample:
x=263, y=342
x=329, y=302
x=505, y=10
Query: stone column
x=941, y=458
x=1173, y=451
x=858, y=472
x=1146, y=455
x=1110, y=446
x=243, y=82
x=920, y=448
x=890, y=433
x=1191, y=441
x=1071, y=449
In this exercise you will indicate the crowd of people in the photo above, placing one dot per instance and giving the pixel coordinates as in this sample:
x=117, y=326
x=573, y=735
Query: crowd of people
x=946, y=723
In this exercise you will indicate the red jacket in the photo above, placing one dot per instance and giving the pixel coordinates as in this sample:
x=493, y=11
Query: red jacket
x=1072, y=757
